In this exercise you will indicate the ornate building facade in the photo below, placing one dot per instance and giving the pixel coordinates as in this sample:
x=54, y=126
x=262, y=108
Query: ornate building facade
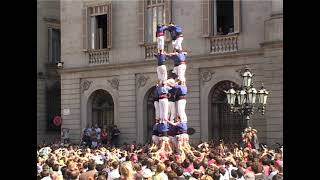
x=109, y=71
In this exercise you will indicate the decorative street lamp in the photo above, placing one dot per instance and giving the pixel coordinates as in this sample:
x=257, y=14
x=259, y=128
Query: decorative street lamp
x=243, y=100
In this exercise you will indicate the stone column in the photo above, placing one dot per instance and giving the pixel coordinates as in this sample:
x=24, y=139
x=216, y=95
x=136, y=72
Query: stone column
x=93, y=30
x=276, y=7
x=274, y=25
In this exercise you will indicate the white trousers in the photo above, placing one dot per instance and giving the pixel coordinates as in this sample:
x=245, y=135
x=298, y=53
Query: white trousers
x=172, y=110
x=163, y=109
x=162, y=72
x=160, y=42
x=180, y=71
x=176, y=44
x=181, y=106
x=156, y=107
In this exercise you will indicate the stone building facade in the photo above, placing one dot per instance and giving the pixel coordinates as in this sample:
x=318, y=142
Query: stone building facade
x=48, y=78
x=110, y=81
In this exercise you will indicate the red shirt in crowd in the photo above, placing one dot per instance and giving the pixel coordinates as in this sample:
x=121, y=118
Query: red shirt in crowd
x=248, y=170
x=211, y=161
x=189, y=169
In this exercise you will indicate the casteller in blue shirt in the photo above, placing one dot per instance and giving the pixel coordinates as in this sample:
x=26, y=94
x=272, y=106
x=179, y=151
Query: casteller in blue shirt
x=163, y=90
x=178, y=58
x=181, y=90
x=175, y=31
x=160, y=30
x=161, y=58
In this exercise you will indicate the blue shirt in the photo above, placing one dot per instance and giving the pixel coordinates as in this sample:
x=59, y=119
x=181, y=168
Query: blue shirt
x=182, y=127
x=178, y=58
x=163, y=89
x=172, y=94
x=175, y=31
x=162, y=127
x=181, y=90
x=161, y=58
x=160, y=30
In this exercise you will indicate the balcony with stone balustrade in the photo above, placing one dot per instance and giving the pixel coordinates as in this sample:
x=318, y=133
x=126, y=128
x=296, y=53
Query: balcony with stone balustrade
x=224, y=44
x=98, y=56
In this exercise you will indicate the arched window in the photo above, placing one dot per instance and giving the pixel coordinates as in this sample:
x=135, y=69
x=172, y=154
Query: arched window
x=102, y=109
x=223, y=124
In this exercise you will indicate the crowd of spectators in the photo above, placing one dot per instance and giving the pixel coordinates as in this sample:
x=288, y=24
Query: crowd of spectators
x=206, y=161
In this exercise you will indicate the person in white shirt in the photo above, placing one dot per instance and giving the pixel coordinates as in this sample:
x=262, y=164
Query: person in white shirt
x=273, y=173
x=114, y=173
x=224, y=174
x=229, y=167
x=98, y=158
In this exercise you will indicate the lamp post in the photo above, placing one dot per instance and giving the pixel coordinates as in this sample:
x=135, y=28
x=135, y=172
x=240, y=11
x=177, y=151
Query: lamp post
x=243, y=100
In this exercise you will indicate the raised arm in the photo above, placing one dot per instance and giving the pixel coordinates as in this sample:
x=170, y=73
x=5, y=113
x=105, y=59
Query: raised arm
x=172, y=123
x=168, y=148
x=171, y=54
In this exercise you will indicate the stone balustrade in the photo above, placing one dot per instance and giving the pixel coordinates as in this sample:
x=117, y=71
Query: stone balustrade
x=98, y=56
x=224, y=44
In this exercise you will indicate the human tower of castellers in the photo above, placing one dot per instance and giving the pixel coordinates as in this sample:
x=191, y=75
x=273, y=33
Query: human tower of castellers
x=170, y=129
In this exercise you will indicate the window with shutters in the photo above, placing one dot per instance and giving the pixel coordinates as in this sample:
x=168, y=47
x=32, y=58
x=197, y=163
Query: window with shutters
x=54, y=45
x=151, y=13
x=154, y=15
x=54, y=38
x=221, y=23
x=97, y=36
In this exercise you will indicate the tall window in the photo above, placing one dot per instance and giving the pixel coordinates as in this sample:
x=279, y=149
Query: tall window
x=98, y=32
x=225, y=22
x=54, y=45
x=97, y=27
x=220, y=17
x=155, y=14
x=151, y=13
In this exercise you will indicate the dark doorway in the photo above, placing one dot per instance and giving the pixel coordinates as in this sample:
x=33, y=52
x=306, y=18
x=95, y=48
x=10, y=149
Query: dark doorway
x=102, y=109
x=149, y=119
x=224, y=124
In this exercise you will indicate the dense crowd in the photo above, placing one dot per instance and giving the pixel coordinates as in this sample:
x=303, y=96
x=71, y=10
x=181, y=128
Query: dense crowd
x=206, y=161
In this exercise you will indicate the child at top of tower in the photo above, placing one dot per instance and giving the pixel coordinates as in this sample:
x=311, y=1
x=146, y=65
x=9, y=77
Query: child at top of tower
x=175, y=30
x=176, y=35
